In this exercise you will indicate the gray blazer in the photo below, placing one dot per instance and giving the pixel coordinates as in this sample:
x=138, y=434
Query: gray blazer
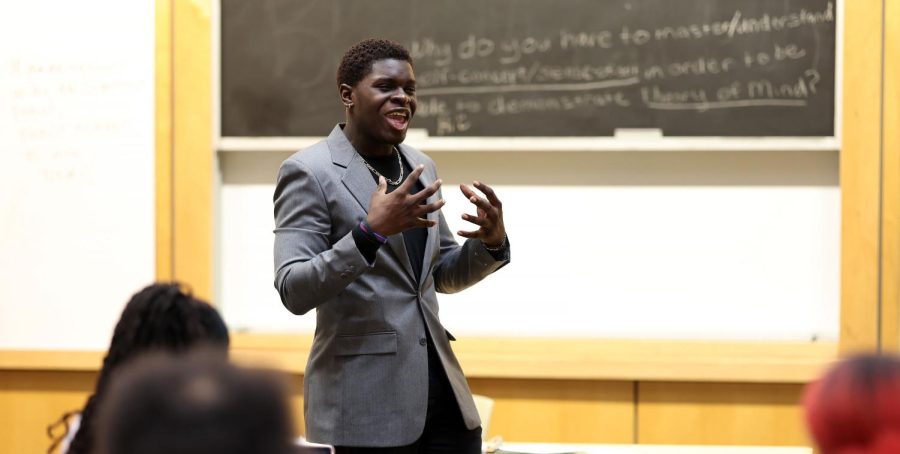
x=366, y=382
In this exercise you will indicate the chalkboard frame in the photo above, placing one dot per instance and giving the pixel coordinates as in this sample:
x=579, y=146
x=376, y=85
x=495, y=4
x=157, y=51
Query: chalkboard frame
x=623, y=140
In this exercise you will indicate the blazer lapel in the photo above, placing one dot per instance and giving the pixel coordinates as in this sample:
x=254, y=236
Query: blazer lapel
x=356, y=177
x=428, y=177
x=359, y=181
x=399, y=247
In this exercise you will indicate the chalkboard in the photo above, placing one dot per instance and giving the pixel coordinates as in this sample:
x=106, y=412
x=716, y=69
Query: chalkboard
x=505, y=68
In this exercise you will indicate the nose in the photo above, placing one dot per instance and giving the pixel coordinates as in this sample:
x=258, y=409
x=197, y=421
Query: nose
x=401, y=98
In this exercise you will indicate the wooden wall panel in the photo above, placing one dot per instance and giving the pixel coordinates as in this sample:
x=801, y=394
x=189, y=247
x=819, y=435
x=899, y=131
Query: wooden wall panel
x=163, y=137
x=525, y=410
x=192, y=138
x=32, y=400
x=890, y=261
x=860, y=175
x=720, y=413
x=296, y=386
x=559, y=410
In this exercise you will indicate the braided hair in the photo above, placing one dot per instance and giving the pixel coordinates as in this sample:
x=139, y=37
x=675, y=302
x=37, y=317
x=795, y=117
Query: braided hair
x=161, y=317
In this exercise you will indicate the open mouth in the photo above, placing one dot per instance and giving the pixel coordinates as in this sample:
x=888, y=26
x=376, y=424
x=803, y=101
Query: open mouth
x=398, y=119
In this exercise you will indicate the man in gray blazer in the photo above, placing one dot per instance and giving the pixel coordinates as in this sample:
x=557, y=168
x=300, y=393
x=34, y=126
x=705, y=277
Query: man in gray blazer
x=360, y=238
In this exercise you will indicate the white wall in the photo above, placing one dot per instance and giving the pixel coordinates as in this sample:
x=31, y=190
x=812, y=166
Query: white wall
x=667, y=245
x=76, y=168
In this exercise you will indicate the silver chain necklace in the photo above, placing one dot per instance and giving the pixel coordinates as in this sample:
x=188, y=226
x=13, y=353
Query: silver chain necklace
x=390, y=182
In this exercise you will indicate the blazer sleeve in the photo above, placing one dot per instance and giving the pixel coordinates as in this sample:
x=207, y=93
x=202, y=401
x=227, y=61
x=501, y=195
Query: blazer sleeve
x=309, y=269
x=461, y=266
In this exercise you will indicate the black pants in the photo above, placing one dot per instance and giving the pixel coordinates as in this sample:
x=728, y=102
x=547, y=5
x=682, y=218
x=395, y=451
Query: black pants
x=445, y=431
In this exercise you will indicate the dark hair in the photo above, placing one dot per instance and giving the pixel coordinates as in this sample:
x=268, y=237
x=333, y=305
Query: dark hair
x=194, y=404
x=161, y=317
x=357, y=61
x=855, y=407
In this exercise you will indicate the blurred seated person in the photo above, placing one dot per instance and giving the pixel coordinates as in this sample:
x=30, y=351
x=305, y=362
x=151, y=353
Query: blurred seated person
x=195, y=404
x=161, y=317
x=855, y=407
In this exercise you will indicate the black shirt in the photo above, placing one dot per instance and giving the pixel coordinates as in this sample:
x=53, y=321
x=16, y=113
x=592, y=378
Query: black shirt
x=415, y=238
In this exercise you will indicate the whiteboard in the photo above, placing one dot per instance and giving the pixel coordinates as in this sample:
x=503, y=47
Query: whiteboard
x=650, y=245
x=76, y=169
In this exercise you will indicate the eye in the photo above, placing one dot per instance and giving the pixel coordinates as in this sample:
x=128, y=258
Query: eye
x=411, y=90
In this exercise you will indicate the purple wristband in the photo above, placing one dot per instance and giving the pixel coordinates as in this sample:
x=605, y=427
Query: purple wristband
x=367, y=229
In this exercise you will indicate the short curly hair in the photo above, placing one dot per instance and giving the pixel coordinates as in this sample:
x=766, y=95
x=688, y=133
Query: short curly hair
x=357, y=61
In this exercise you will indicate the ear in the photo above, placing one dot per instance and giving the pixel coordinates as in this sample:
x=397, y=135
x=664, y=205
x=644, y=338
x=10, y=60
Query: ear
x=346, y=92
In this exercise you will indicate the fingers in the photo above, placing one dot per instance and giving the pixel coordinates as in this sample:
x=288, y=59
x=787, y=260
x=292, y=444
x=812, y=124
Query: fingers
x=412, y=179
x=471, y=195
x=470, y=233
x=480, y=221
x=422, y=222
x=382, y=185
x=431, y=207
x=478, y=201
x=467, y=192
x=489, y=193
x=427, y=192
x=423, y=210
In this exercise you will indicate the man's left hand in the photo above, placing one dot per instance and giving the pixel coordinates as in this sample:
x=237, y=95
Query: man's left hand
x=489, y=215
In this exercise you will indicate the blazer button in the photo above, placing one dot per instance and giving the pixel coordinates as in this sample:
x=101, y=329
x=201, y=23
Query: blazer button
x=422, y=341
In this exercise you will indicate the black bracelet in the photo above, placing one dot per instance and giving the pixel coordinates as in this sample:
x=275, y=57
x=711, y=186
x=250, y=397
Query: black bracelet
x=496, y=248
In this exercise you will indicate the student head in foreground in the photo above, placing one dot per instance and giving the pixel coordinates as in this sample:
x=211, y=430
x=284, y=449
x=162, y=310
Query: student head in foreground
x=195, y=404
x=160, y=317
x=855, y=407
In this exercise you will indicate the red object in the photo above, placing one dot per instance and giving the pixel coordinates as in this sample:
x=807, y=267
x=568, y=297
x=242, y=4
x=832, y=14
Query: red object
x=855, y=407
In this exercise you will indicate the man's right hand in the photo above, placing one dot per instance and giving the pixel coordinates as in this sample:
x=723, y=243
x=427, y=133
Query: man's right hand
x=399, y=211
